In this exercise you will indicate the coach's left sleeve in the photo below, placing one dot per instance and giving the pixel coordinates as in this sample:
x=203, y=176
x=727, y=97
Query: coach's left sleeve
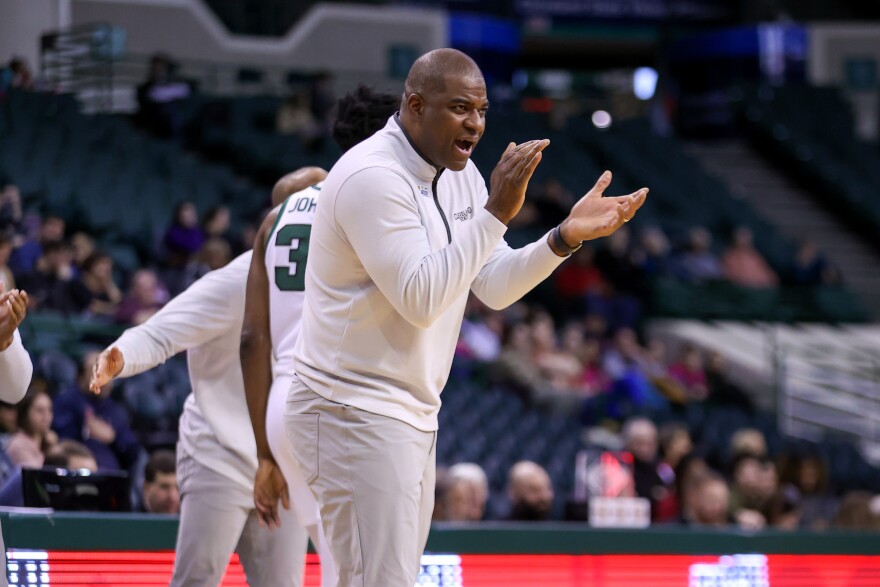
x=16, y=370
x=509, y=273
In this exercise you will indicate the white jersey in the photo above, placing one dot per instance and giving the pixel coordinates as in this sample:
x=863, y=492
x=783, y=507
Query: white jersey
x=287, y=247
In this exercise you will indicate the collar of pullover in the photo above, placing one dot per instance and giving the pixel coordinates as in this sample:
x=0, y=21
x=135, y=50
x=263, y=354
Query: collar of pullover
x=412, y=158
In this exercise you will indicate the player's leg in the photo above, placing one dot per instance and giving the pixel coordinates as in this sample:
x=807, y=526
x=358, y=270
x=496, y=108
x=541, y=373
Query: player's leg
x=273, y=558
x=212, y=517
x=366, y=472
x=301, y=498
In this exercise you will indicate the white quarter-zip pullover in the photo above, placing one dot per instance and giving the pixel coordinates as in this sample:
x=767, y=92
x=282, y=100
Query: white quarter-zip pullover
x=395, y=247
x=16, y=370
x=205, y=320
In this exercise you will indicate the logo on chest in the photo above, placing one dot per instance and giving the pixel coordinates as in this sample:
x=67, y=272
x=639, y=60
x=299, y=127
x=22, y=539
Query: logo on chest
x=465, y=214
x=423, y=189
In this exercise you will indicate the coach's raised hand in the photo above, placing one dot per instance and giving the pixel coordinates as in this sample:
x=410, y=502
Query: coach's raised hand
x=595, y=215
x=109, y=365
x=511, y=176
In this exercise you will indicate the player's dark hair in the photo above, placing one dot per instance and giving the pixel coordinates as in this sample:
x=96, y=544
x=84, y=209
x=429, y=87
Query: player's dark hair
x=161, y=462
x=360, y=114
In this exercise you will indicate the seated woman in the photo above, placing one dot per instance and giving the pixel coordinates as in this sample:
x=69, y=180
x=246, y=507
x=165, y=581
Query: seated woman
x=35, y=437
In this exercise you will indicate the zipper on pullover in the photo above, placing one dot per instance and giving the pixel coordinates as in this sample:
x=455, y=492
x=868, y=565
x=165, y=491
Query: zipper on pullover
x=437, y=202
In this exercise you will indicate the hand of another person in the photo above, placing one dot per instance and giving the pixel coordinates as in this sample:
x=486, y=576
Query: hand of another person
x=99, y=429
x=51, y=439
x=511, y=176
x=108, y=366
x=13, y=308
x=750, y=519
x=269, y=487
x=595, y=216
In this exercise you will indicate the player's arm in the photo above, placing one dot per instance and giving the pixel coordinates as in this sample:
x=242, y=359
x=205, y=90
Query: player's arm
x=256, y=339
x=509, y=274
x=16, y=368
x=207, y=309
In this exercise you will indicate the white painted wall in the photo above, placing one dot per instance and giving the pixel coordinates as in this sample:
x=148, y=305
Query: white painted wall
x=23, y=21
x=330, y=36
x=832, y=44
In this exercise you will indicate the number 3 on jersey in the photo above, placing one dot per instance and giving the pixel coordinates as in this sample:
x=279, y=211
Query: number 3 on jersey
x=293, y=277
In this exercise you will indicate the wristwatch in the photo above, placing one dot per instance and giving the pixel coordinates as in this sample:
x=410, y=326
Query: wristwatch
x=560, y=244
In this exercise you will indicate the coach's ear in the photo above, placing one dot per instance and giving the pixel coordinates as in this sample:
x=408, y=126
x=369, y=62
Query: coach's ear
x=414, y=103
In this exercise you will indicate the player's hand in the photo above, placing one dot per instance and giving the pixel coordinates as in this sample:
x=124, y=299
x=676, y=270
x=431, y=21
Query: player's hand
x=595, y=216
x=269, y=487
x=511, y=176
x=13, y=307
x=108, y=366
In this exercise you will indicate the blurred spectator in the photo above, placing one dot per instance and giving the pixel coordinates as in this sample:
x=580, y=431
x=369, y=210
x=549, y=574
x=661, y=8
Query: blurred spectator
x=467, y=492
x=588, y=352
x=481, y=332
x=578, y=278
x=82, y=247
x=698, y=263
x=16, y=75
x=560, y=367
x=784, y=509
x=184, y=237
x=96, y=285
x=67, y=454
x=690, y=468
x=723, y=391
x=653, y=257
x=674, y=442
x=146, y=296
x=216, y=224
x=160, y=494
x=530, y=492
x=652, y=481
x=688, y=371
x=516, y=366
x=754, y=482
x=159, y=98
x=50, y=285
x=811, y=268
x=8, y=422
x=34, y=439
x=808, y=474
x=7, y=280
x=625, y=362
x=553, y=202
x=96, y=420
x=859, y=510
x=214, y=254
x=618, y=302
x=10, y=208
x=70, y=454
x=295, y=118
x=744, y=265
x=706, y=501
x=24, y=258
x=748, y=441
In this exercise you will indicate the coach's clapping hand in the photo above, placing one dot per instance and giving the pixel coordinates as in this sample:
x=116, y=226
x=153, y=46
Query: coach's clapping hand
x=595, y=216
x=511, y=176
x=108, y=366
x=269, y=487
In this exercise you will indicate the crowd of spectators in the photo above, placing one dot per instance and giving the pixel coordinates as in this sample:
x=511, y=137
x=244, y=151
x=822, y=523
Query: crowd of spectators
x=582, y=356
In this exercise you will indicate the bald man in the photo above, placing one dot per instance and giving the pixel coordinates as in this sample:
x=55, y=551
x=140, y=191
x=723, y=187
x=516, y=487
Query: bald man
x=405, y=229
x=530, y=492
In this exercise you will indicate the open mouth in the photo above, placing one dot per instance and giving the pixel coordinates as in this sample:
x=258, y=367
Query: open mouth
x=466, y=146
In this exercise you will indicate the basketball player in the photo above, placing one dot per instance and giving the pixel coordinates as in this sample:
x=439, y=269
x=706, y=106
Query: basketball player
x=405, y=230
x=271, y=324
x=16, y=368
